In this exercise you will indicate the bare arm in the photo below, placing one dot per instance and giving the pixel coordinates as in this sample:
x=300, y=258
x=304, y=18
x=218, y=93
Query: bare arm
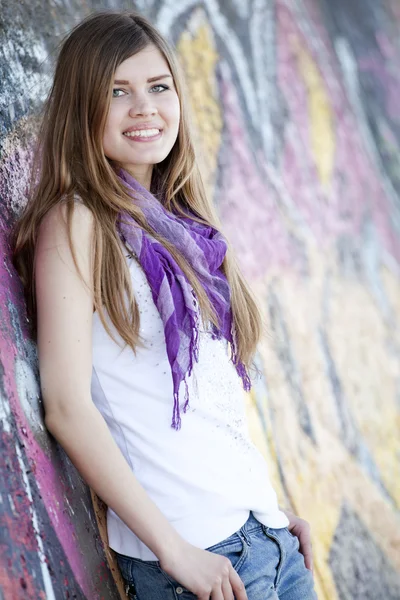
x=65, y=312
x=65, y=308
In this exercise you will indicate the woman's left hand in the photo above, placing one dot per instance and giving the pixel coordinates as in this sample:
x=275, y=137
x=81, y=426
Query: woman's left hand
x=301, y=529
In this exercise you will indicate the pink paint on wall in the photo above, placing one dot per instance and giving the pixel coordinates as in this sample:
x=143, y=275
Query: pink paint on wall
x=356, y=188
x=247, y=203
x=48, y=480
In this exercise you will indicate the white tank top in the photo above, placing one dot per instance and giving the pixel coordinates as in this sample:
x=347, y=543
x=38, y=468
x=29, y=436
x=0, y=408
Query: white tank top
x=206, y=477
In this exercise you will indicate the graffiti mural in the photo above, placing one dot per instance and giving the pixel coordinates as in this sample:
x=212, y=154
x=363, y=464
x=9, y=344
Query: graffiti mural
x=294, y=107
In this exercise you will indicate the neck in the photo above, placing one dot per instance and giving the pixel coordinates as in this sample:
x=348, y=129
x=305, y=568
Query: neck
x=142, y=174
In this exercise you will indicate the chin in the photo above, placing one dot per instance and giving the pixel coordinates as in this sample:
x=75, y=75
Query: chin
x=151, y=159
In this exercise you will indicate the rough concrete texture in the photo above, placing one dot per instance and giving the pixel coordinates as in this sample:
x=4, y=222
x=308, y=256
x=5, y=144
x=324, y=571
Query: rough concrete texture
x=295, y=104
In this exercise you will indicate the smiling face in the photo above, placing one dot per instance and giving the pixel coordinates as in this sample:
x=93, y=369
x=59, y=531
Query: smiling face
x=143, y=119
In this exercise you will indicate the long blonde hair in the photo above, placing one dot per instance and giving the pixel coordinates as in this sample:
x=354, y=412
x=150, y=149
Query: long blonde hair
x=71, y=162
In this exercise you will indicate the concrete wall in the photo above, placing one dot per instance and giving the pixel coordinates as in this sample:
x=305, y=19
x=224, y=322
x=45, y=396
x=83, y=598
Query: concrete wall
x=296, y=108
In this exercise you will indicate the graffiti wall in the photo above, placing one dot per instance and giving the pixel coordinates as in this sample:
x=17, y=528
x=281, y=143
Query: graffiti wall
x=295, y=110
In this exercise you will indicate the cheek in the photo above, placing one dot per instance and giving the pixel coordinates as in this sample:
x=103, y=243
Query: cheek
x=107, y=140
x=174, y=114
x=110, y=142
x=107, y=129
x=114, y=118
x=110, y=131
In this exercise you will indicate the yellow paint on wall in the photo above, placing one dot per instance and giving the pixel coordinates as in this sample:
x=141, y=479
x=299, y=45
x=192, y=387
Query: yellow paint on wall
x=360, y=342
x=321, y=478
x=322, y=134
x=199, y=57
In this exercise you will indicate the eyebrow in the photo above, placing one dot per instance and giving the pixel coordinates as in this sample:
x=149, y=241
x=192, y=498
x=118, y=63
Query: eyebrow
x=150, y=80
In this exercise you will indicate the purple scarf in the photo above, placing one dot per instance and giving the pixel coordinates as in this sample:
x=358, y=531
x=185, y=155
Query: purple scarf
x=204, y=248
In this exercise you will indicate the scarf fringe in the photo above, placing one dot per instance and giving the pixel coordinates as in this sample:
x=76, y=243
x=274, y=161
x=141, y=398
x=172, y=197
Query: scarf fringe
x=176, y=418
x=193, y=357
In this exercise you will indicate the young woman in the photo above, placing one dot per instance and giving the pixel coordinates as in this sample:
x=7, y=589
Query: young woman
x=146, y=329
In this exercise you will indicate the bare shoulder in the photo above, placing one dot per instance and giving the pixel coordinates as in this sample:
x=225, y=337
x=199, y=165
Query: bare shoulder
x=53, y=228
x=64, y=303
x=57, y=274
x=53, y=247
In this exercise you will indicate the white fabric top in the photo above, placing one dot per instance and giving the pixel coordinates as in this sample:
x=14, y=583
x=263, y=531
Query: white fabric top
x=206, y=477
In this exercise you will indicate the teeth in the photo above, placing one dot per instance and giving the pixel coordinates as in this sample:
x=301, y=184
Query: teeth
x=142, y=133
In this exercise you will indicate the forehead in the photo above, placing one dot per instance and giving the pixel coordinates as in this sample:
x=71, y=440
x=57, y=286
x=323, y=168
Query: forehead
x=147, y=63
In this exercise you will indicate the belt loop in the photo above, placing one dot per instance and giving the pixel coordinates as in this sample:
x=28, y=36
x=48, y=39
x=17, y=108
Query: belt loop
x=245, y=536
x=264, y=528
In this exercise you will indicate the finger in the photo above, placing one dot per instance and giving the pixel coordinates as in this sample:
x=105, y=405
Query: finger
x=206, y=596
x=237, y=585
x=306, y=549
x=227, y=590
x=308, y=561
x=217, y=594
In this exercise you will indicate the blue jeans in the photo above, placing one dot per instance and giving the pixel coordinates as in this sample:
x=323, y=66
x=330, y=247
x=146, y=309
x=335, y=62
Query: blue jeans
x=267, y=560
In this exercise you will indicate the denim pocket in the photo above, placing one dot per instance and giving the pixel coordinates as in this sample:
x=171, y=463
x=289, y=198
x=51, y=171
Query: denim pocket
x=294, y=539
x=145, y=580
x=290, y=533
x=125, y=566
x=233, y=548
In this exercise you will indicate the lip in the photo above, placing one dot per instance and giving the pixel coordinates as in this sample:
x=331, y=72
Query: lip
x=142, y=126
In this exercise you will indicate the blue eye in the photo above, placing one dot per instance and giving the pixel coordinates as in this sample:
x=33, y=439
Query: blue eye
x=115, y=93
x=160, y=85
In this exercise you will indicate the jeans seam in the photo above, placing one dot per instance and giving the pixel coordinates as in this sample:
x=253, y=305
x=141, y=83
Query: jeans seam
x=170, y=582
x=150, y=564
x=243, y=557
x=254, y=529
x=225, y=543
x=281, y=551
x=244, y=535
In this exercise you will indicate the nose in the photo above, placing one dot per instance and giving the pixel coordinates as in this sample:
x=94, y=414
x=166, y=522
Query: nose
x=142, y=106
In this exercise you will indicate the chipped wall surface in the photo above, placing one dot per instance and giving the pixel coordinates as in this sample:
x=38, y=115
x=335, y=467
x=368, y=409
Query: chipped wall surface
x=295, y=109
